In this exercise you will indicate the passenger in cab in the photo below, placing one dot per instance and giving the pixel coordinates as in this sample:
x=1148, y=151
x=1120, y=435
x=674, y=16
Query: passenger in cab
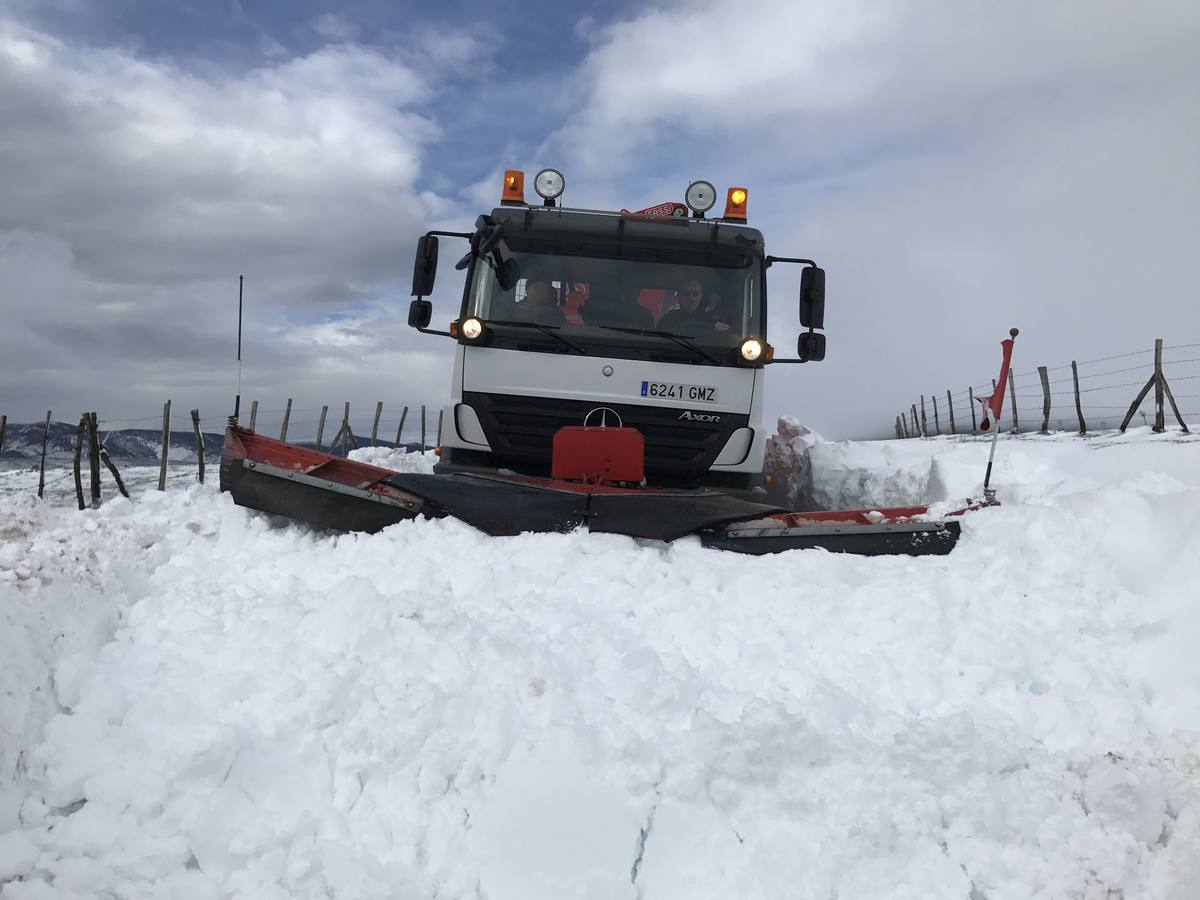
x=688, y=308
x=541, y=304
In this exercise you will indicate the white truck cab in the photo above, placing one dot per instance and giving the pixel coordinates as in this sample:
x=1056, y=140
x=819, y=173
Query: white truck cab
x=652, y=320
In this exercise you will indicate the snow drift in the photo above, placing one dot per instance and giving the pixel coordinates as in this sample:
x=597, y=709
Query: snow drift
x=198, y=701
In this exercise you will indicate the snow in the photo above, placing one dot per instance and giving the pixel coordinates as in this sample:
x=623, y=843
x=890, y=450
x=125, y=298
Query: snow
x=199, y=701
x=398, y=460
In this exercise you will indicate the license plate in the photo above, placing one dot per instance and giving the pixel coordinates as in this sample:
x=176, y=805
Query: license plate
x=692, y=393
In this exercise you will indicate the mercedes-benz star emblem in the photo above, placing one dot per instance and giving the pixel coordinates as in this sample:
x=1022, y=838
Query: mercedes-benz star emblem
x=607, y=370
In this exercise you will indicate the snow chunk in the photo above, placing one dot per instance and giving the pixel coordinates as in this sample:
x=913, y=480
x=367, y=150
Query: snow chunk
x=398, y=459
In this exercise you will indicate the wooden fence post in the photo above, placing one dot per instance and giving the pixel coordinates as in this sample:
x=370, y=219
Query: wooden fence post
x=78, y=457
x=971, y=401
x=1154, y=379
x=441, y=412
x=1160, y=420
x=1012, y=393
x=1174, y=408
x=422, y=427
x=321, y=426
x=93, y=458
x=937, y=422
x=1043, y=373
x=950, y=406
x=1138, y=402
x=287, y=414
x=3, y=426
x=924, y=421
x=1166, y=387
x=42, y=471
x=375, y=424
x=112, y=467
x=1078, y=405
x=400, y=427
x=166, y=443
x=899, y=432
x=904, y=423
x=916, y=423
x=346, y=431
x=199, y=443
x=253, y=413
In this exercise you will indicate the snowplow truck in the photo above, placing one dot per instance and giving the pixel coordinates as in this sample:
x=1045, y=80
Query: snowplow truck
x=609, y=372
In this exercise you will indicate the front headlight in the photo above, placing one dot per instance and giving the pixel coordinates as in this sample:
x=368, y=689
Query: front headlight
x=471, y=328
x=751, y=350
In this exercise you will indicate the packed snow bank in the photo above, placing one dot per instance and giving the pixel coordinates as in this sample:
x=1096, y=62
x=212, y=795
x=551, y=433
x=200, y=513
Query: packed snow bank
x=398, y=460
x=1028, y=467
x=258, y=710
x=787, y=463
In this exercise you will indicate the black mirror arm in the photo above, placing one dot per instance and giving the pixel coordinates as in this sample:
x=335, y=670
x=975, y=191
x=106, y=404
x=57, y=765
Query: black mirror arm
x=434, y=331
x=788, y=259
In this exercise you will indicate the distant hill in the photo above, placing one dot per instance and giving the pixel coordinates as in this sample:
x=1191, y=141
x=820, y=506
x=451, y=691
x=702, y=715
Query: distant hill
x=23, y=444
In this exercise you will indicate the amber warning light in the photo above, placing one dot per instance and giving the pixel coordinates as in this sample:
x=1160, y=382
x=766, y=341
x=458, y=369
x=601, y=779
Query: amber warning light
x=735, y=204
x=514, y=187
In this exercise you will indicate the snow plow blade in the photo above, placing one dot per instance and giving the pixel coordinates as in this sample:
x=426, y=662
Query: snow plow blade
x=330, y=492
x=327, y=491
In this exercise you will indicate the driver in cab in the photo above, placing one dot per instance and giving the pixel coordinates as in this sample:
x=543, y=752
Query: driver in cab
x=541, y=305
x=687, y=309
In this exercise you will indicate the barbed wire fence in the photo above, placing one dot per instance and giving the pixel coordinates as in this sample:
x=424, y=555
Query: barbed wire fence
x=181, y=455
x=1140, y=387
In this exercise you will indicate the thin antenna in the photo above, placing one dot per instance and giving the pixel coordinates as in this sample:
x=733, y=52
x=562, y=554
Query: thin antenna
x=237, y=400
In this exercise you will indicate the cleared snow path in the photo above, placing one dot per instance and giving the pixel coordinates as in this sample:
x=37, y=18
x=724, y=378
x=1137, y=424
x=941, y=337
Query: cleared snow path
x=256, y=710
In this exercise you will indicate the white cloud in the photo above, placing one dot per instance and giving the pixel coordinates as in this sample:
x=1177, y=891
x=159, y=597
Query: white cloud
x=334, y=27
x=309, y=162
x=136, y=191
x=824, y=73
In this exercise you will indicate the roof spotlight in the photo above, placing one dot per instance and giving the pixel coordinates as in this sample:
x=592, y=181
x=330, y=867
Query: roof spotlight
x=549, y=184
x=700, y=197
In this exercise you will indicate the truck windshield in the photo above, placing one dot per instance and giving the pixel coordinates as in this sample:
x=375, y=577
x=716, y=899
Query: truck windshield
x=600, y=302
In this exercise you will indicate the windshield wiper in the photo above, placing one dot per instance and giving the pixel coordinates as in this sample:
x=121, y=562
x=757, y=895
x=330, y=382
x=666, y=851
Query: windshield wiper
x=677, y=338
x=551, y=330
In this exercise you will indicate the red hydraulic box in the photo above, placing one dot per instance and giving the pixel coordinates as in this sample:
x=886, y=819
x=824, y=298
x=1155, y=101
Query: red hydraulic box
x=598, y=455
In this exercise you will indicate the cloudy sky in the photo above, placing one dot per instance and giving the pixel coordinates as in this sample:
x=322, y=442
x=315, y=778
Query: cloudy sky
x=958, y=168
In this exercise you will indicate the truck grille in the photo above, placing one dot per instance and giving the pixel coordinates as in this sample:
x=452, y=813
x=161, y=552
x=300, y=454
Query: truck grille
x=678, y=452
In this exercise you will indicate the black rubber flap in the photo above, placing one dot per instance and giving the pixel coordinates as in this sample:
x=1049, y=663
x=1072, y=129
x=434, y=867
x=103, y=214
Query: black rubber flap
x=496, y=507
x=938, y=540
x=666, y=517
x=505, y=507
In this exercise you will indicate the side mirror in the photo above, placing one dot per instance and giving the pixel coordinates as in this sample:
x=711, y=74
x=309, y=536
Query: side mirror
x=812, y=299
x=811, y=346
x=424, y=268
x=419, y=314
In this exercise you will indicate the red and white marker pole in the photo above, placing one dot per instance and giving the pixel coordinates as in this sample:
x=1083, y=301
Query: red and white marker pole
x=994, y=404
